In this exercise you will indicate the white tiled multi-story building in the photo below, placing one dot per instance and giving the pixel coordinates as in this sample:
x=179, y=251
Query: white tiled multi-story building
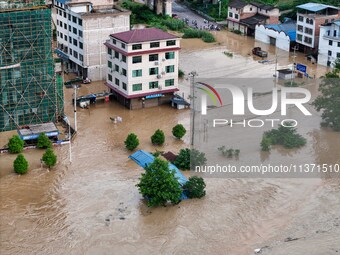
x=310, y=17
x=143, y=67
x=329, y=43
x=81, y=31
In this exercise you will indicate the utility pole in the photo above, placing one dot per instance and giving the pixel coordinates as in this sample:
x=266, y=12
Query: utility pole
x=293, y=71
x=75, y=107
x=69, y=137
x=192, y=74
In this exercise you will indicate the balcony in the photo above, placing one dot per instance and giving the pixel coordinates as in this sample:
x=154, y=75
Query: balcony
x=331, y=37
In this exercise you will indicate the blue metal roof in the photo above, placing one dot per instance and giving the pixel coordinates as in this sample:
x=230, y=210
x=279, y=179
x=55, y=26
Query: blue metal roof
x=63, y=1
x=143, y=159
x=288, y=28
x=315, y=7
x=337, y=22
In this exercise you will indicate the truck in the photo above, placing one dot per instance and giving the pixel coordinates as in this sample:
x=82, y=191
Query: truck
x=259, y=52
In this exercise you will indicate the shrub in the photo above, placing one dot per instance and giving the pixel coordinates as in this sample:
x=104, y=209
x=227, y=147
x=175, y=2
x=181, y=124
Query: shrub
x=265, y=143
x=158, y=137
x=194, y=188
x=173, y=24
x=43, y=141
x=159, y=185
x=286, y=136
x=15, y=144
x=180, y=73
x=20, y=164
x=229, y=152
x=156, y=153
x=131, y=142
x=179, y=131
x=238, y=32
x=187, y=159
x=49, y=158
x=195, y=33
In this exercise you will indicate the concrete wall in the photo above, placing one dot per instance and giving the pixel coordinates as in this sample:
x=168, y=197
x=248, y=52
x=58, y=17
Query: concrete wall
x=263, y=34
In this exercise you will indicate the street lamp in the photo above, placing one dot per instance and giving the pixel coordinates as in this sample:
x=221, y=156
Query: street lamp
x=69, y=137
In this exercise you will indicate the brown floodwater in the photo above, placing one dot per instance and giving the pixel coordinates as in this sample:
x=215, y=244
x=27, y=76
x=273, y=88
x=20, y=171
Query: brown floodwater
x=92, y=206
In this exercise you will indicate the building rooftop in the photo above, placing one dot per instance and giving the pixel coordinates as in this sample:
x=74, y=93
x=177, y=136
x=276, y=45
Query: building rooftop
x=237, y=4
x=143, y=35
x=288, y=28
x=263, y=6
x=315, y=7
x=254, y=20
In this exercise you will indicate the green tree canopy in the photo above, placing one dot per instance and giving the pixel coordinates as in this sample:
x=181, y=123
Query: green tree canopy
x=329, y=100
x=43, y=141
x=158, y=137
x=15, y=144
x=194, y=188
x=188, y=159
x=131, y=142
x=20, y=164
x=179, y=131
x=49, y=158
x=159, y=185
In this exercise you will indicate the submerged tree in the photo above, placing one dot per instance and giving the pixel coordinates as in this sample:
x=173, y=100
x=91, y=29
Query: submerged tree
x=49, y=158
x=20, y=164
x=15, y=144
x=179, y=131
x=131, y=142
x=194, y=188
x=158, y=137
x=159, y=185
x=43, y=141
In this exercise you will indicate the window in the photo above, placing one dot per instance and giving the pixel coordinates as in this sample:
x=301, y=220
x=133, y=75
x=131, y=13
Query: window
x=124, y=58
x=338, y=55
x=230, y=14
x=136, y=46
x=153, y=84
x=329, y=53
x=123, y=71
x=75, y=54
x=136, y=87
x=116, y=54
x=154, y=45
x=69, y=28
x=114, y=41
x=80, y=22
x=57, y=22
x=334, y=33
x=299, y=37
x=109, y=76
x=117, y=82
x=109, y=64
x=81, y=45
x=153, y=70
x=80, y=33
x=137, y=73
x=311, y=21
x=65, y=26
x=70, y=39
x=338, y=44
x=169, y=82
x=117, y=68
x=61, y=35
x=109, y=51
x=61, y=24
x=137, y=59
x=123, y=45
x=64, y=14
x=301, y=18
x=81, y=57
x=75, y=42
x=300, y=28
x=330, y=43
x=124, y=85
x=251, y=8
x=170, y=69
x=170, y=55
x=171, y=43
x=65, y=38
x=74, y=19
x=69, y=17
x=153, y=57
x=74, y=30
x=58, y=33
x=236, y=16
x=308, y=31
x=308, y=40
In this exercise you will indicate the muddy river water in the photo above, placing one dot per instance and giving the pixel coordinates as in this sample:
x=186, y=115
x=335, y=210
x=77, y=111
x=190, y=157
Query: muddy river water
x=92, y=206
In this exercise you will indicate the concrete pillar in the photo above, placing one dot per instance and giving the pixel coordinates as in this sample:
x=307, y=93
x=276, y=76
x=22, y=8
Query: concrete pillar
x=159, y=6
x=167, y=7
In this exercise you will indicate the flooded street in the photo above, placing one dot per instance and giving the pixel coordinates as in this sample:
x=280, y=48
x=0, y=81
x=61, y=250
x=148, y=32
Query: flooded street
x=92, y=206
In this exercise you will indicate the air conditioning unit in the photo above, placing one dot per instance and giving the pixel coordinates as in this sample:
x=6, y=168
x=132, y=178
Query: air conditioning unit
x=163, y=73
x=163, y=59
x=159, y=76
x=156, y=63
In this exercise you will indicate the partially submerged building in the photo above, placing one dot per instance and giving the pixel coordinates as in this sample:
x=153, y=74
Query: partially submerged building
x=329, y=43
x=30, y=92
x=244, y=16
x=143, y=67
x=82, y=29
x=310, y=17
x=282, y=36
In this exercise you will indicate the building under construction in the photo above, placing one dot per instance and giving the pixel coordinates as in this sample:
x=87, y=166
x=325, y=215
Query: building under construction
x=31, y=92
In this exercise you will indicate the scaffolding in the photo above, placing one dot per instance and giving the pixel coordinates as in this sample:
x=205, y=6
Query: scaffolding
x=31, y=92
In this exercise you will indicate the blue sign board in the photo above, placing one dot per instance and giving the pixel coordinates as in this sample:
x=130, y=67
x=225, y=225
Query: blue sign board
x=153, y=96
x=301, y=68
x=35, y=136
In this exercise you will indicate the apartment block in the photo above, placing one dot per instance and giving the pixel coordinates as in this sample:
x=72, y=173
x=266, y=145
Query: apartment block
x=329, y=43
x=143, y=67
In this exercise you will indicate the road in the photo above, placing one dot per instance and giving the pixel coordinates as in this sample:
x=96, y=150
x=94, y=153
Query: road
x=184, y=12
